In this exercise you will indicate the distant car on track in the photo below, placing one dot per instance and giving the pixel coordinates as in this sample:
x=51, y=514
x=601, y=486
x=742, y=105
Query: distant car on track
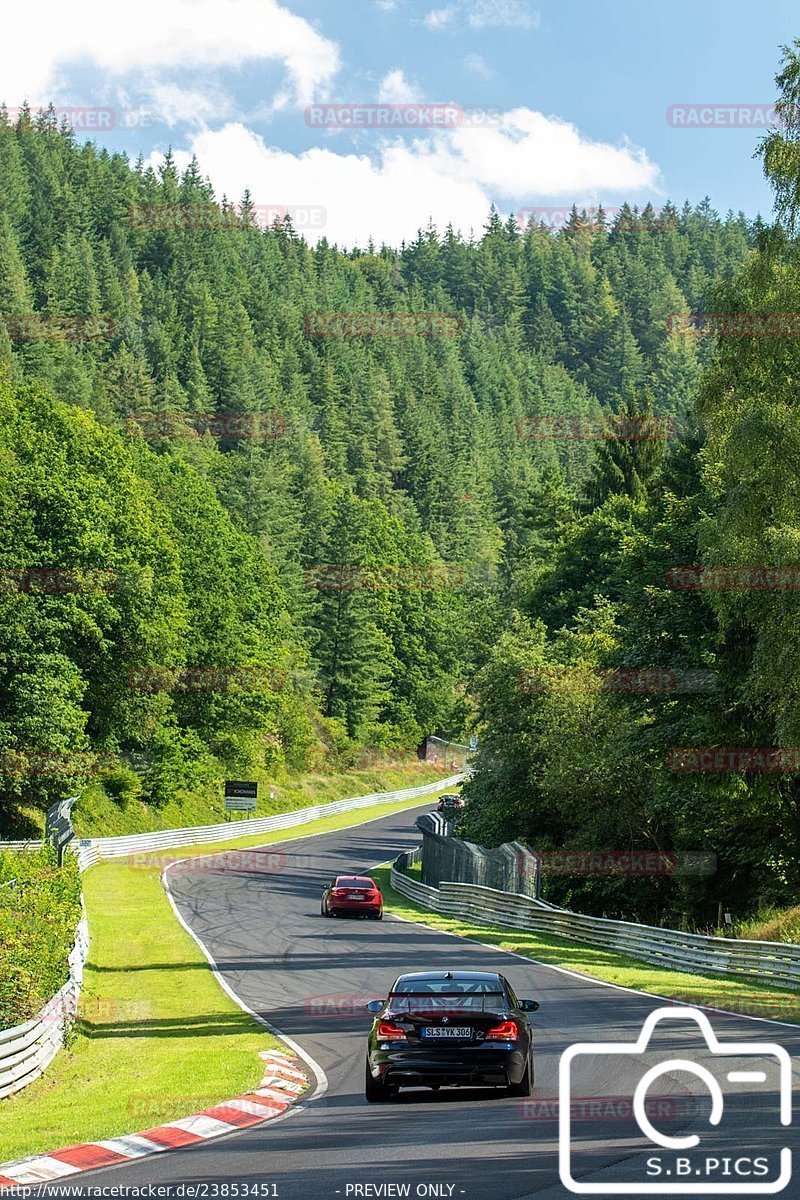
x=451, y=803
x=441, y=1028
x=352, y=895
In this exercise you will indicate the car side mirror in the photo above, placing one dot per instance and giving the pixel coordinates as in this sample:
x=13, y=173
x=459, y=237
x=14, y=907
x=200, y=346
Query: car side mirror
x=375, y=1006
x=529, y=1005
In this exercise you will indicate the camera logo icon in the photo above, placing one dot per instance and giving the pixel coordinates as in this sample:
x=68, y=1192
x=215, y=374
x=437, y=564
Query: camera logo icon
x=731, y=1096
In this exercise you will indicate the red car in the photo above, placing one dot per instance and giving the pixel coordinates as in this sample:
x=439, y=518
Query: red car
x=353, y=895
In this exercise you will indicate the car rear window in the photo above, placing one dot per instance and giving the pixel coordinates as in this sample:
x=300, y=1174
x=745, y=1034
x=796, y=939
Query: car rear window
x=447, y=1002
x=353, y=881
x=447, y=995
x=450, y=987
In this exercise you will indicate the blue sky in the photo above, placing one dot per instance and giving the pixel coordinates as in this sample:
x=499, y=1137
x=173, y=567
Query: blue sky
x=573, y=98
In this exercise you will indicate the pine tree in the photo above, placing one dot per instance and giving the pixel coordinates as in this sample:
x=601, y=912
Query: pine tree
x=630, y=454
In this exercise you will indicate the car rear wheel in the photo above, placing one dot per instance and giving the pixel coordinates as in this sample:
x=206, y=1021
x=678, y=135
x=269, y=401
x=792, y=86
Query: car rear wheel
x=378, y=916
x=375, y=1091
x=523, y=1088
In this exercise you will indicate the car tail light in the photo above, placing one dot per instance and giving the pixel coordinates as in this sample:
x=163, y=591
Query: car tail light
x=390, y=1032
x=340, y=891
x=506, y=1031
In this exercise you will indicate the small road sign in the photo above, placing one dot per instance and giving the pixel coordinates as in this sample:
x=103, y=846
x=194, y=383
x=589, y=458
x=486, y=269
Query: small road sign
x=242, y=789
x=237, y=804
x=241, y=795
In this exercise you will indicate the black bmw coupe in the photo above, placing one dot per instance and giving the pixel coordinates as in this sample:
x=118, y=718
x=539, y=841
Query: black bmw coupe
x=448, y=1028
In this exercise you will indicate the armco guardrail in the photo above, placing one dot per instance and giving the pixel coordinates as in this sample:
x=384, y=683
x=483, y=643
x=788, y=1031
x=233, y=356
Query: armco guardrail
x=20, y=847
x=93, y=850
x=27, y=1050
x=771, y=962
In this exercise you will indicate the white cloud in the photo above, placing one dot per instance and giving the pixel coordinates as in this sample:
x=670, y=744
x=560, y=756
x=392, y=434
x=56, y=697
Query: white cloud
x=508, y=14
x=396, y=89
x=387, y=5
x=523, y=160
x=126, y=40
x=439, y=18
x=188, y=106
x=528, y=153
x=389, y=198
x=484, y=14
x=478, y=65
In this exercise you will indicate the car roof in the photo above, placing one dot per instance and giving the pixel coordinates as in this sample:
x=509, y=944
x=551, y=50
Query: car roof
x=448, y=975
x=355, y=878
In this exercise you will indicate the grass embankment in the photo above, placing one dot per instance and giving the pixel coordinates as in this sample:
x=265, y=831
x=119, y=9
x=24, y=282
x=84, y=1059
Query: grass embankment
x=98, y=815
x=158, y=1039
x=773, y=925
x=733, y=995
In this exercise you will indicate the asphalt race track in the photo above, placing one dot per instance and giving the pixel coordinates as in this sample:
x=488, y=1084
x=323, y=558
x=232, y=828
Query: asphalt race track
x=310, y=977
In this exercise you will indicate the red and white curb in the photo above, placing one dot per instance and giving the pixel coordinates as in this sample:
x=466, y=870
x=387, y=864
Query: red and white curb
x=281, y=1086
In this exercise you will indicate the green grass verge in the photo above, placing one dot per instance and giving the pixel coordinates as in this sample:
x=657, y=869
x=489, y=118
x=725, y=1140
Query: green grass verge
x=98, y=815
x=734, y=995
x=158, y=1039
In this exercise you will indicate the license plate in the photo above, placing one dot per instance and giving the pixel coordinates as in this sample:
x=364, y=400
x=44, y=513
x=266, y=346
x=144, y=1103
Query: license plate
x=356, y=896
x=451, y=1031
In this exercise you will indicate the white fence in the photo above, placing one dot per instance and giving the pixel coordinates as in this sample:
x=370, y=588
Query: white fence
x=775, y=963
x=27, y=1050
x=94, y=850
x=21, y=847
